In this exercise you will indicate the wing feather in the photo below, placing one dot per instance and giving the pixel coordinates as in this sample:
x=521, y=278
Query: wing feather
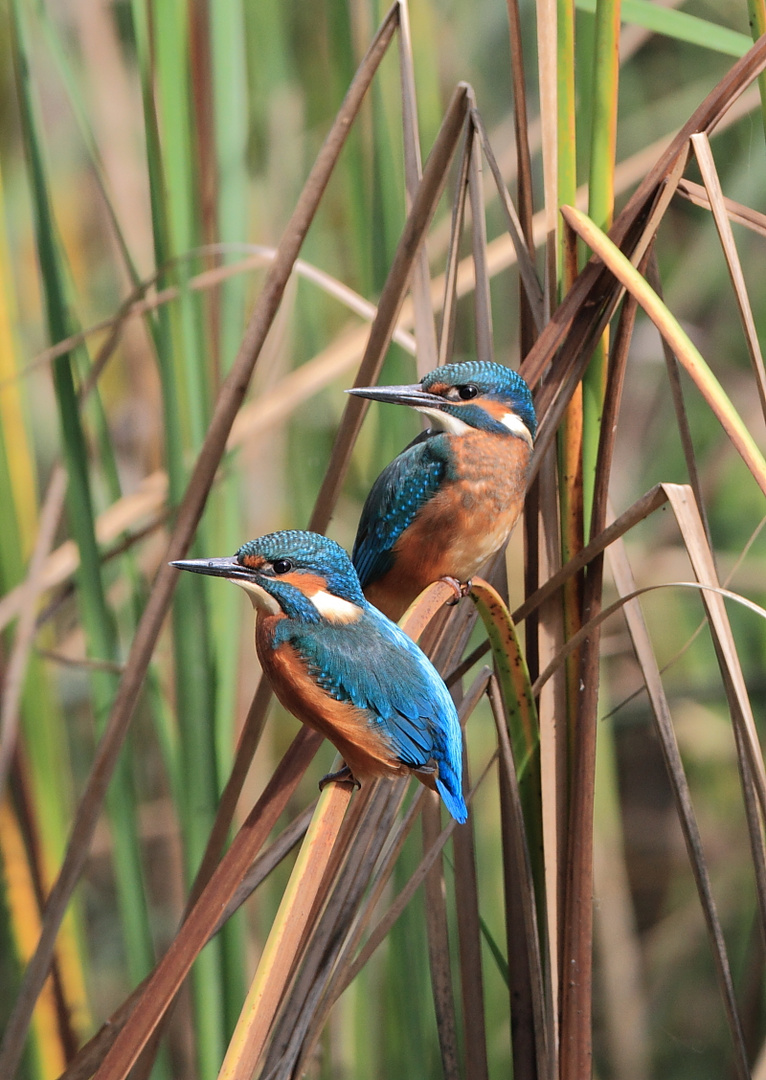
x=391, y=680
x=395, y=498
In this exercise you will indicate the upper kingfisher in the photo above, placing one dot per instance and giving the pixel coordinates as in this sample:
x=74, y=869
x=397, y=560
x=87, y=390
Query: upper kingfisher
x=340, y=666
x=452, y=497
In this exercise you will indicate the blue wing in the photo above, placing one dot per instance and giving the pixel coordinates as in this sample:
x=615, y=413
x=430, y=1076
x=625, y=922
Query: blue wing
x=393, y=681
x=402, y=488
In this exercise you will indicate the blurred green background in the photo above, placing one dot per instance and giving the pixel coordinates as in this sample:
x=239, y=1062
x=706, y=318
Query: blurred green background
x=149, y=143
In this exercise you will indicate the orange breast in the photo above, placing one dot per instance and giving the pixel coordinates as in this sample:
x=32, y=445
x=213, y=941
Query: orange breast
x=363, y=748
x=462, y=525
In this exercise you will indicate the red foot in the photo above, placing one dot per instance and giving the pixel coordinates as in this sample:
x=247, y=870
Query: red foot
x=461, y=589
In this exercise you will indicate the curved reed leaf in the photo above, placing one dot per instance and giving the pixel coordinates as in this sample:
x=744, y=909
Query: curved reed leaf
x=671, y=329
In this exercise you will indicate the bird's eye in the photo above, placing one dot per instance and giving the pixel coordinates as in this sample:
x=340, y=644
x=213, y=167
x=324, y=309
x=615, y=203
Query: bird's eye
x=465, y=393
x=282, y=566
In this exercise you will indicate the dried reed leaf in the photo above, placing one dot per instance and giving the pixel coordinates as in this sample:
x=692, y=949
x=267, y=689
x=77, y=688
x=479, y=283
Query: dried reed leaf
x=739, y=214
x=482, y=301
x=425, y=331
x=551, y=708
x=712, y=182
x=700, y=555
x=450, y=277
x=672, y=331
x=511, y=668
x=533, y=292
x=645, y=655
x=624, y=1006
x=425, y=607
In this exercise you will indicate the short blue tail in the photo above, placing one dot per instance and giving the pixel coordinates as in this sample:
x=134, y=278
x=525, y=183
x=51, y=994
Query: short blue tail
x=452, y=795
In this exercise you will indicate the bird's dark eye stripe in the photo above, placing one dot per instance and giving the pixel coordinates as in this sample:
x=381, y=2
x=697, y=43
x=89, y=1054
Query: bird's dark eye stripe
x=465, y=393
x=282, y=566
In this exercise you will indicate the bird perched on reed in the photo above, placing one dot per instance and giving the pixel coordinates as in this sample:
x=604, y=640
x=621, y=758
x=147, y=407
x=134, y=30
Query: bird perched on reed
x=452, y=497
x=342, y=667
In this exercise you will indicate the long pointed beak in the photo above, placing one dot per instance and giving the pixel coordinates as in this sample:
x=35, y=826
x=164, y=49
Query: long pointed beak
x=413, y=395
x=227, y=567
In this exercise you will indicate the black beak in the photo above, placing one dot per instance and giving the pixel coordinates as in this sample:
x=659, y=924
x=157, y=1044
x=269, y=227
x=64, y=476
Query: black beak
x=413, y=395
x=225, y=568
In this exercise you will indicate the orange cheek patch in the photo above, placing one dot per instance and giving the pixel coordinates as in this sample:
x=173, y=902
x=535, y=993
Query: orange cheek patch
x=496, y=409
x=253, y=562
x=308, y=584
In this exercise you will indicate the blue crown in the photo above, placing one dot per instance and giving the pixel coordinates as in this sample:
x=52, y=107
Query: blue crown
x=492, y=381
x=310, y=552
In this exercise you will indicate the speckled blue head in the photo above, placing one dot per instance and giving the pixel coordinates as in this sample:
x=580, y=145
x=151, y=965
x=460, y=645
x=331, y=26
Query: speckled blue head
x=293, y=571
x=475, y=394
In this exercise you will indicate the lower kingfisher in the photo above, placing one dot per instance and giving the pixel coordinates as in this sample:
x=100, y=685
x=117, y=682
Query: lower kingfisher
x=340, y=666
x=452, y=497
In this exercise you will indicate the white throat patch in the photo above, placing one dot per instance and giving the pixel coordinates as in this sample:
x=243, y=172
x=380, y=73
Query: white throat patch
x=445, y=421
x=334, y=607
x=516, y=426
x=259, y=598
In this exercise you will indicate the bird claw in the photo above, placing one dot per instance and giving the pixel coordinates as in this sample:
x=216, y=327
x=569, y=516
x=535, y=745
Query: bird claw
x=342, y=776
x=462, y=588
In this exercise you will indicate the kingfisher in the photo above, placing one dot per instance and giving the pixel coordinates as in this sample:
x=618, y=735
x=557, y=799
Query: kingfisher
x=451, y=498
x=340, y=666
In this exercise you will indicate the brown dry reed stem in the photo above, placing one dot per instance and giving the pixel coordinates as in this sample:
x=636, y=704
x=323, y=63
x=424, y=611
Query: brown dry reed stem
x=530, y=1030
x=281, y=948
x=425, y=330
x=469, y=943
x=578, y=908
x=532, y=290
x=185, y=947
x=189, y=512
x=438, y=943
x=90, y=1056
x=449, y=302
x=391, y=299
x=332, y=980
x=528, y=325
x=572, y=323
x=482, y=304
